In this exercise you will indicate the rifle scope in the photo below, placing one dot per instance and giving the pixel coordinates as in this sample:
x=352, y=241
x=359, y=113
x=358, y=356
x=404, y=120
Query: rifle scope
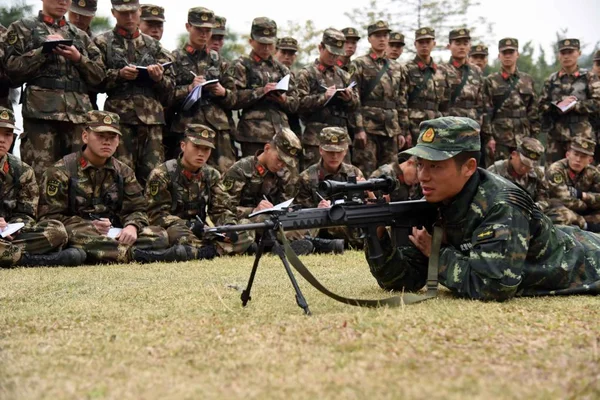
x=332, y=188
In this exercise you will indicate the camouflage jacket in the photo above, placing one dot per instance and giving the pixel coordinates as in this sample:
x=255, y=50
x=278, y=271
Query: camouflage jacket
x=344, y=65
x=560, y=178
x=308, y=182
x=176, y=195
x=426, y=94
x=108, y=192
x=261, y=118
x=19, y=192
x=383, y=111
x=208, y=110
x=516, y=115
x=138, y=102
x=4, y=81
x=534, y=182
x=313, y=80
x=497, y=245
x=402, y=191
x=583, y=85
x=56, y=87
x=248, y=182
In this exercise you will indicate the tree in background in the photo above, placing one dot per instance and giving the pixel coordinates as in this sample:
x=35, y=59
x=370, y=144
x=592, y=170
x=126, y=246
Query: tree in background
x=18, y=10
x=101, y=24
x=308, y=37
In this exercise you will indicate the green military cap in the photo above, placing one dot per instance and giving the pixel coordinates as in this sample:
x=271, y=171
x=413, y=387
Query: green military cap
x=480, y=49
x=379, y=26
x=531, y=151
x=397, y=37
x=462, y=33
x=334, y=40
x=425, y=33
x=569, y=44
x=103, y=121
x=84, y=7
x=351, y=33
x=201, y=17
x=288, y=146
x=334, y=138
x=201, y=135
x=151, y=12
x=583, y=145
x=125, y=5
x=508, y=44
x=7, y=118
x=446, y=137
x=287, y=43
x=264, y=30
x=219, y=28
x=597, y=56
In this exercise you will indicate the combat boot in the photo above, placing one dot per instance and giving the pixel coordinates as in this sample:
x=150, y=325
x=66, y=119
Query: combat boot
x=302, y=247
x=593, y=227
x=326, y=246
x=173, y=253
x=207, y=252
x=70, y=257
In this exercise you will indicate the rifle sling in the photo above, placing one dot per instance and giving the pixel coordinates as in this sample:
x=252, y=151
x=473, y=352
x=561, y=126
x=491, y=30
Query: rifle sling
x=374, y=82
x=459, y=88
x=506, y=95
x=419, y=88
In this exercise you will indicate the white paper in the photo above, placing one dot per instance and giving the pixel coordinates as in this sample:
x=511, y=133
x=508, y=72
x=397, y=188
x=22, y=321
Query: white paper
x=283, y=84
x=196, y=94
x=350, y=86
x=114, y=232
x=565, y=106
x=11, y=228
x=278, y=207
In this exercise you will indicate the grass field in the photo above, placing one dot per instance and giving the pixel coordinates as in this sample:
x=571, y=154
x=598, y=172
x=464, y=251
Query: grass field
x=177, y=331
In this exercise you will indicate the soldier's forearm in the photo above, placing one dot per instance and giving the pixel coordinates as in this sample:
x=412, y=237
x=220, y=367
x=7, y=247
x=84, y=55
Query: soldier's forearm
x=246, y=98
x=24, y=67
x=92, y=72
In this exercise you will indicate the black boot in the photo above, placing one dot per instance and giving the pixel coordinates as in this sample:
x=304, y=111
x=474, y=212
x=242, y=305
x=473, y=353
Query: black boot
x=70, y=257
x=593, y=227
x=302, y=247
x=174, y=253
x=207, y=252
x=325, y=246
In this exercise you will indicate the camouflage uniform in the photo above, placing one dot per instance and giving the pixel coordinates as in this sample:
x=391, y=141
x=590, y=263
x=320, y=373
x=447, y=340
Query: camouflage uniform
x=176, y=196
x=261, y=119
x=55, y=100
x=383, y=114
x=4, y=81
x=402, y=191
x=562, y=128
x=138, y=102
x=567, y=186
x=426, y=92
x=313, y=81
x=514, y=113
x=74, y=192
x=497, y=243
x=209, y=110
x=481, y=50
x=87, y=8
x=534, y=182
x=343, y=62
x=291, y=44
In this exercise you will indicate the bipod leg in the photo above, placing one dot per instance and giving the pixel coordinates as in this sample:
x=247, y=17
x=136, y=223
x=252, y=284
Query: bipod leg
x=259, y=252
x=300, y=300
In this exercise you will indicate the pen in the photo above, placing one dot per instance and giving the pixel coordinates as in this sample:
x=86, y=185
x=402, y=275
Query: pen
x=321, y=197
x=192, y=72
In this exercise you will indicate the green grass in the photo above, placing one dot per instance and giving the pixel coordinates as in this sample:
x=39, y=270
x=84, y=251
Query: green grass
x=178, y=331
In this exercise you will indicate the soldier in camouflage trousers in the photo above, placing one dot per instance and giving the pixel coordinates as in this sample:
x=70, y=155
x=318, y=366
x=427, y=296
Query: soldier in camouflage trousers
x=91, y=192
x=575, y=187
x=514, y=113
x=570, y=84
x=4, y=81
x=55, y=100
x=404, y=173
x=194, y=65
x=136, y=95
x=184, y=194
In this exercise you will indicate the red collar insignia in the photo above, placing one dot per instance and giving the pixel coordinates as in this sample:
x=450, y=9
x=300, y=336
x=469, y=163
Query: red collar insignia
x=83, y=162
x=339, y=63
x=48, y=20
x=126, y=34
x=256, y=58
x=189, y=49
x=6, y=167
x=261, y=169
x=505, y=75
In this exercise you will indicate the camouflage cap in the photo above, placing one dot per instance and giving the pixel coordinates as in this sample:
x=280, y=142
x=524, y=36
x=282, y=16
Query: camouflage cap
x=264, y=30
x=219, y=28
x=200, y=135
x=480, y=49
x=568, y=44
x=84, y=7
x=531, y=151
x=201, y=17
x=334, y=40
x=151, y=12
x=462, y=33
x=334, y=138
x=351, y=33
x=397, y=37
x=508, y=44
x=597, y=56
x=7, y=118
x=379, y=26
x=125, y=5
x=103, y=121
x=446, y=137
x=424, y=33
x=288, y=146
x=287, y=43
x=583, y=145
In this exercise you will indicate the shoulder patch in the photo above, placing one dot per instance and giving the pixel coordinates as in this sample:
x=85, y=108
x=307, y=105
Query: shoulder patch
x=228, y=183
x=52, y=187
x=153, y=186
x=12, y=38
x=486, y=234
x=557, y=178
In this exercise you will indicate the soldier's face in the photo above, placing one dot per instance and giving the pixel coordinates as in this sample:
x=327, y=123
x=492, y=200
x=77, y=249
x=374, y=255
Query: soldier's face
x=272, y=160
x=128, y=20
x=508, y=58
x=410, y=172
x=55, y=8
x=578, y=161
x=332, y=159
x=379, y=40
x=194, y=155
x=520, y=168
x=101, y=144
x=286, y=57
x=216, y=42
x=153, y=29
x=443, y=180
x=596, y=68
x=480, y=60
x=350, y=47
x=81, y=21
x=424, y=47
x=394, y=50
x=568, y=57
x=460, y=48
x=263, y=50
x=6, y=139
x=199, y=37
x=326, y=57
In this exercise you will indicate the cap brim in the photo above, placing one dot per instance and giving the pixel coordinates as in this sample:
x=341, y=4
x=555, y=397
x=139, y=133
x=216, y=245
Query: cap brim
x=334, y=147
x=568, y=48
x=397, y=41
x=264, y=39
x=388, y=30
x=78, y=10
x=106, y=129
x=219, y=32
x=461, y=37
x=352, y=37
x=583, y=151
x=288, y=160
x=158, y=19
x=201, y=142
x=431, y=154
x=508, y=48
x=288, y=48
x=335, y=50
x=528, y=161
x=201, y=24
x=425, y=37
x=126, y=7
x=7, y=125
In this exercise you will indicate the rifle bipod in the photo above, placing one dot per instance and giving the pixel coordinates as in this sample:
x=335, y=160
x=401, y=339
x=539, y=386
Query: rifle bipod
x=268, y=239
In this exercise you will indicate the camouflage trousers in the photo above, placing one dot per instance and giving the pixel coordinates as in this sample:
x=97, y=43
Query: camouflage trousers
x=44, y=142
x=101, y=249
x=565, y=216
x=141, y=149
x=350, y=236
x=379, y=150
x=181, y=234
x=40, y=238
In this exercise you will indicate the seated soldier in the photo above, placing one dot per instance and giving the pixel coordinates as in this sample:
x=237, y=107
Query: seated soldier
x=33, y=244
x=496, y=243
x=91, y=192
x=575, y=187
x=333, y=146
x=404, y=172
x=185, y=193
x=523, y=168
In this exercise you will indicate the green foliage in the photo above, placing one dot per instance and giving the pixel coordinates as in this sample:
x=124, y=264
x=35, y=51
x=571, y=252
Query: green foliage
x=235, y=45
x=17, y=10
x=308, y=37
x=100, y=24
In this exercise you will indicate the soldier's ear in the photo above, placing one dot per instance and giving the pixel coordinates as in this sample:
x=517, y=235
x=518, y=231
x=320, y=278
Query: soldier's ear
x=182, y=145
x=85, y=136
x=469, y=167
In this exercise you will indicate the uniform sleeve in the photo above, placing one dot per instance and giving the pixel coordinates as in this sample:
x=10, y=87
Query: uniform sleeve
x=159, y=199
x=304, y=190
x=541, y=192
x=134, y=203
x=91, y=67
x=245, y=96
x=356, y=76
x=559, y=190
x=488, y=109
x=591, y=105
x=112, y=78
x=308, y=101
x=545, y=107
x=228, y=101
x=183, y=79
x=22, y=63
x=402, y=103
x=54, y=197
x=593, y=195
x=290, y=105
x=166, y=85
x=220, y=209
x=233, y=184
x=27, y=198
x=533, y=113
